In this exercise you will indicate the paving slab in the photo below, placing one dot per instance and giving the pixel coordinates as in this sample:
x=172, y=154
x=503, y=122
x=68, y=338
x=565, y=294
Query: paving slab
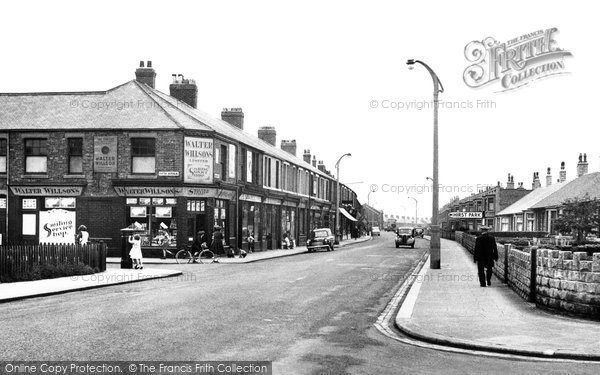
x=450, y=308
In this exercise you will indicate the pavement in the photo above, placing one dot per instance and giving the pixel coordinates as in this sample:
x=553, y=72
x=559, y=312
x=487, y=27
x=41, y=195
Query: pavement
x=112, y=276
x=251, y=257
x=448, y=307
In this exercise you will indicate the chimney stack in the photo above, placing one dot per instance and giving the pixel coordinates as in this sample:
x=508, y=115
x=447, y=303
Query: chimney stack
x=548, y=178
x=289, y=146
x=314, y=161
x=563, y=173
x=184, y=90
x=268, y=134
x=582, y=166
x=233, y=116
x=536, y=181
x=321, y=166
x=146, y=75
x=306, y=156
x=511, y=182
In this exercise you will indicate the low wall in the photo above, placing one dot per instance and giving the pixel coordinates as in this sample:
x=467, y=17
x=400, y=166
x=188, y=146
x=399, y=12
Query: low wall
x=560, y=280
x=569, y=281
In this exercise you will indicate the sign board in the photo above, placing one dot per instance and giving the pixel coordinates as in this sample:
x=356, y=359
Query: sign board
x=57, y=226
x=465, y=215
x=47, y=191
x=198, y=160
x=168, y=173
x=173, y=191
x=105, y=154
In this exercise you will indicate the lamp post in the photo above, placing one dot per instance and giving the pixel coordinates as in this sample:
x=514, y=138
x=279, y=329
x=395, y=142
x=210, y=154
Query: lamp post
x=434, y=244
x=337, y=198
x=416, y=209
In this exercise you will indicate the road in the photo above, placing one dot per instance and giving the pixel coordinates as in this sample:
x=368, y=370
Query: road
x=309, y=314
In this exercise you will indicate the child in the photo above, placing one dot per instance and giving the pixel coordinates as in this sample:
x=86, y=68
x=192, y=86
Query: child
x=251, y=242
x=83, y=236
x=165, y=242
x=136, y=251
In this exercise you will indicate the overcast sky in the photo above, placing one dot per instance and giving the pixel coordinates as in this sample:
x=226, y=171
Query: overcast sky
x=313, y=68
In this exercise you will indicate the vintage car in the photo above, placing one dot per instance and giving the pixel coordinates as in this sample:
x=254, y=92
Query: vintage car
x=375, y=231
x=320, y=238
x=404, y=237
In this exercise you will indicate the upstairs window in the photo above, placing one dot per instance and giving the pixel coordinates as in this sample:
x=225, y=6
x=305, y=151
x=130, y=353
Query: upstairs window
x=36, y=155
x=3, y=154
x=75, y=155
x=143, y=155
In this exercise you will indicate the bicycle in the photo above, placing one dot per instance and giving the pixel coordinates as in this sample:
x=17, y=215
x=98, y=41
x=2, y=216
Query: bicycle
x=185, y=256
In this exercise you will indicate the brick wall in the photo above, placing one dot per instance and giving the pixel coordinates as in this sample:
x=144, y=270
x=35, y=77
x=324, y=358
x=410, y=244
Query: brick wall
x=569, y=281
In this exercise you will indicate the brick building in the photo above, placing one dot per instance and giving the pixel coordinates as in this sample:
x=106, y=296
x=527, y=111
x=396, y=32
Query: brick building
x=133, y=155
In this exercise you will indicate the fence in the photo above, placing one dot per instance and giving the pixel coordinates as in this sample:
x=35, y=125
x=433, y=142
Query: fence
x=17, y=261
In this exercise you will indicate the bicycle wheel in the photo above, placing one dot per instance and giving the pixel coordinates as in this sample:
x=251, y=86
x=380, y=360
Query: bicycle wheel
x=206, y=257
x=183, y=256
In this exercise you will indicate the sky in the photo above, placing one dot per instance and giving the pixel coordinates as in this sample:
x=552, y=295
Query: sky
x=327, y=74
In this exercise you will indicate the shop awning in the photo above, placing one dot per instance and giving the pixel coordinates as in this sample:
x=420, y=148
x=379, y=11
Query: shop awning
x=345, y=213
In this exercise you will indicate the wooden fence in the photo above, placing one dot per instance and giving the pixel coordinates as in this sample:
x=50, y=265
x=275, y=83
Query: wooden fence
x=20, y=259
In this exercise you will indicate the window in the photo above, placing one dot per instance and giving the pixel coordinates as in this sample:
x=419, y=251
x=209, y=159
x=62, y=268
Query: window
x=3, y=154
x=277, y=173
x=75, y=155
x=36, y=156
x=143, y=155
x=490, y=204
x=223, y=162
x=504, y=224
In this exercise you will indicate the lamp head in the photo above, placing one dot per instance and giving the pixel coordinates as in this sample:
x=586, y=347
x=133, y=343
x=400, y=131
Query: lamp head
x=410, y=63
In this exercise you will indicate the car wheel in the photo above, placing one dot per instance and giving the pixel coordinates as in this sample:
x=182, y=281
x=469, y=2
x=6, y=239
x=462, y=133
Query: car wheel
x=412, y=246
x=397, y=246
x=331, y=247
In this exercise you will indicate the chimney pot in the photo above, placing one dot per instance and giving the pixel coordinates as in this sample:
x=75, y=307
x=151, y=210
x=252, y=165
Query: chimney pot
x=149, y=64
x=141, y=63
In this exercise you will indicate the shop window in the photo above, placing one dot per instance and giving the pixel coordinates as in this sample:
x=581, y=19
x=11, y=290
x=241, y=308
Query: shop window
x=29, y=204
x=36, y=155
x=29, y=225
x=2, y=203
x=75, y=155
x=59, y=202
x=220, y=217
x=143, y=155
x=156, y=216
x=3, y=154
x=196, y=206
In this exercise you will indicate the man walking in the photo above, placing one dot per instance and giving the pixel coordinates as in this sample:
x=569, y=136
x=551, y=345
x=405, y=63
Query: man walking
x=485, y=254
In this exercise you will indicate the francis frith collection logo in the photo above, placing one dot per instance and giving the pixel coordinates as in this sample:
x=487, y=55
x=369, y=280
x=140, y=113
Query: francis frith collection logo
x=514, y=63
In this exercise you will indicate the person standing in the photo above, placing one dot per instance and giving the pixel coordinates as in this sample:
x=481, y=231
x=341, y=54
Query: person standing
x=199, y=244
x=136, y=251
x=486, y=252
x=217, y=242
x=251, y=242
x=165, y=241
x=83, y=236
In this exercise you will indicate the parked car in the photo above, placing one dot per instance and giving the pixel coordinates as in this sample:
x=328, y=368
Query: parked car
x=320, y=238
x=375, y=231
x=404, y=237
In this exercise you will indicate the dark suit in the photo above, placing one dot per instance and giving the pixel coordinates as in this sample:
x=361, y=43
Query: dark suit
x=486, y=252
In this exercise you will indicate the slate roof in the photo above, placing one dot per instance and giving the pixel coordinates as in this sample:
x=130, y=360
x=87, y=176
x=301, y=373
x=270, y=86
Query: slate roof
x=126, y=106
x=587, y=184
x=130, y=106
x=531, y=199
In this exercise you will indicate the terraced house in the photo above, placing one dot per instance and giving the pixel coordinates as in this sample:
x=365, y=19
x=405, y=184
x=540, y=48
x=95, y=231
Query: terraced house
x=133, y=155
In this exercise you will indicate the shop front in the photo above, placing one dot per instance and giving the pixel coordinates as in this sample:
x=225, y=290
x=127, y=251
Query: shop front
x=288, y=221
x=302, y=223
x=172, y=216
x=272, y=224
x=251, y=215
x=43, y=214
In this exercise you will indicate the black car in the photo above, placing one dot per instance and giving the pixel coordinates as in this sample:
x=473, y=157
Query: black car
x=320, y=238
x=404, y=237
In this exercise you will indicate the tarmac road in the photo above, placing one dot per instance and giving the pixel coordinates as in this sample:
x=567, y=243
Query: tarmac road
x=309, y=314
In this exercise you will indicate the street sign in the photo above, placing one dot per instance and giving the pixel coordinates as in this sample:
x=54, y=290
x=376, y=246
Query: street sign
x=465, y=215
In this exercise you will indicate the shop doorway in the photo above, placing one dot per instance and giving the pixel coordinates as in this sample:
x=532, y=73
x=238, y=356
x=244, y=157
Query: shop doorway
x=195, y=224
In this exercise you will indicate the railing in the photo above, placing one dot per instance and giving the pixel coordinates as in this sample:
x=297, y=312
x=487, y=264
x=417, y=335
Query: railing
x=17, y=261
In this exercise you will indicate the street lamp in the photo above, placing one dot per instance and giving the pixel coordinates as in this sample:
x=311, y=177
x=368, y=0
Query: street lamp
x=434, y=244
x=337, y=198
x=416, y=209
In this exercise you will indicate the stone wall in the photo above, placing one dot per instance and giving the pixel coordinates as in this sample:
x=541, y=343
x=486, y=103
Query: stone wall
x=519, y=272
x=569, y=281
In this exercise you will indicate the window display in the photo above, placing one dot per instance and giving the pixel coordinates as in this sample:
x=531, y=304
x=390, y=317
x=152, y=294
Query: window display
x=156, y=216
